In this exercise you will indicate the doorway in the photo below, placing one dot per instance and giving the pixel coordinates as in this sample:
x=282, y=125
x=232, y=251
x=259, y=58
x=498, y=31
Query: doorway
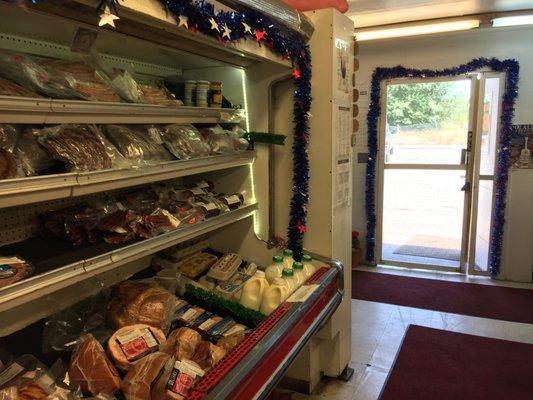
x=437, y=141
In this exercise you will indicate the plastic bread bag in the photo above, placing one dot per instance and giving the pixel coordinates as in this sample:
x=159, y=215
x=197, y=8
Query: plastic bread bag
x=14, y=269
x=218, y=140
x=32, y=156
x=9, y=88
x=135, y=146
x=185, y=142
x=77, y=146
x=24, y=71
x=89, y=81
x=126, y=86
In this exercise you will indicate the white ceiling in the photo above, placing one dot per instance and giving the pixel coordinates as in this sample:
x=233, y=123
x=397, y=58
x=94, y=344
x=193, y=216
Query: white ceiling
x=382, y=12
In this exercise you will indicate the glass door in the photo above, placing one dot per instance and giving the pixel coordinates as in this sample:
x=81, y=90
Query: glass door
x=423, y=173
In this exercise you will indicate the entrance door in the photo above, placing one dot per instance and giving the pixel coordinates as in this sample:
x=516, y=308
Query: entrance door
x=437, y=148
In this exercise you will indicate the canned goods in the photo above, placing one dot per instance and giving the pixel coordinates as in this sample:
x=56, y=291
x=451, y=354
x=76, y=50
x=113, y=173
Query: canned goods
x=190, y=93
x=216, y=94
x=202, y=89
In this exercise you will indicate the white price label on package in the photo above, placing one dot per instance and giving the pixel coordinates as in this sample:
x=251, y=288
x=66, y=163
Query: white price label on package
x=302, y=294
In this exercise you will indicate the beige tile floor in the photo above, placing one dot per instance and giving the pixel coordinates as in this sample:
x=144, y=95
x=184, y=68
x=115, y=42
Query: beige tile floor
x=378, y=329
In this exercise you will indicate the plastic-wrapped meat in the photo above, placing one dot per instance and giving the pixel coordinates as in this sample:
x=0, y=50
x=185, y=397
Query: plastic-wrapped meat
x=91, y=369
x=138, y=381
x=117, y=226
x=158, y=94
x=158, y=222
x=54, y=222
x=177, y=379
x=228, y=343
x=126, y=87
x=33, y=157
x=8, y=88
x=207, y=354
x=78, y=146
x=218, y=140
x=141, y=200
x=8, y=165
x=182, y=343
x=185, y=142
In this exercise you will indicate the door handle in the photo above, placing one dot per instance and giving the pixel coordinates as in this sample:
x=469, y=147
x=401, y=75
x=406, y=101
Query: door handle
x=464, y=156
x=466, y=187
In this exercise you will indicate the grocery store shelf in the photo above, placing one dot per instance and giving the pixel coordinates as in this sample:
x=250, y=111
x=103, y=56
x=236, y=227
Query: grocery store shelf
x=253, y=368
x=20, y=191
x=22, y=110
x=59, y=264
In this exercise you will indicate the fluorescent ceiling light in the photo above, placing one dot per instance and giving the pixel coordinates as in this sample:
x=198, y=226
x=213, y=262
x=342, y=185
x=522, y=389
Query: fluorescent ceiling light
x=414, y=30
x=512, y=21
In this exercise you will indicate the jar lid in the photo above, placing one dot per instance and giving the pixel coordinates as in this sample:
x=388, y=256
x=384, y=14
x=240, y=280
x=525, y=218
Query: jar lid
x=216, y=83
x=203, y=82
x=287, y=272
x=297, y=265
x=190, y=81
x=307, y=258
x=277, y=259
x=287, y=252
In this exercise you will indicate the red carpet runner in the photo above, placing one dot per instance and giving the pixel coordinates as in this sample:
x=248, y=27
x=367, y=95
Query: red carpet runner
x=440, y=365
x=477, y=300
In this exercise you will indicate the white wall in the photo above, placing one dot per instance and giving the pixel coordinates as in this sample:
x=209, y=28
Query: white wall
x=436, y=52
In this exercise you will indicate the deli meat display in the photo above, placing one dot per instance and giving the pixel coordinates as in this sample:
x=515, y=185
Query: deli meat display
x=144, y=251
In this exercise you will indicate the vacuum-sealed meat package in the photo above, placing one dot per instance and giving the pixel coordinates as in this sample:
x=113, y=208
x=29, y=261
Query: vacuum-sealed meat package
x=182, y=343
x=136, y=146
x=177, y=379
x=9, y=165
x=9, y=88
x=218, y=139
x=157, y=93
x=138, y=381
x=126, y=86
x=207, y=355
x=33, y=157
x=184, y=141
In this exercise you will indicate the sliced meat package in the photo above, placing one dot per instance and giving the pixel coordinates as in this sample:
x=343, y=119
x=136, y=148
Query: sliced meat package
x=26, y=378
x=182, y=343
x=136, y=146
x=207, y=355
x=157, y=222
x=130, y=344
x=33, y=157
x=177, y=379
x=9, y=88
x=140, y=303
x=157, y=93
x=78, y=146
x=127, y=87
x=9, y=166
x=138, y=381
x=184, y=141
x=218, y=139
x=91, y=370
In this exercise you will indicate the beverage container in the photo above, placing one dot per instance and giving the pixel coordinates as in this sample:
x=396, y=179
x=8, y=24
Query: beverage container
x=288, y=277
x=299, y=273
x=274, y=295
x=253, y=290
x=287, y=258
x=309, y=268
x=274, y=270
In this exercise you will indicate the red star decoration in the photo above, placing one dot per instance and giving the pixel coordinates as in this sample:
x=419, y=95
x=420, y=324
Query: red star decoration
x=260, y=35
x=296, y=74
x=286, y=56
x=301, y=227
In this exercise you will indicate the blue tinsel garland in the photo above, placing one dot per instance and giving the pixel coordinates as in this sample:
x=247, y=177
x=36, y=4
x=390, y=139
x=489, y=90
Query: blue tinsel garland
x=511, y=68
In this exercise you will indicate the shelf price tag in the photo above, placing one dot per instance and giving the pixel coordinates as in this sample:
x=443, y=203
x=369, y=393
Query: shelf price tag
x=302, y=293
x=225, y=116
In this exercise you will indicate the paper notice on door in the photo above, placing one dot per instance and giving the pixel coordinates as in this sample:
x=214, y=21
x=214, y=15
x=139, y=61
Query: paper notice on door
x=302, y=293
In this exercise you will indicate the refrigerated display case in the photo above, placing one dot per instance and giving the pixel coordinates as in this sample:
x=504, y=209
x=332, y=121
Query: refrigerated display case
x=311, y=331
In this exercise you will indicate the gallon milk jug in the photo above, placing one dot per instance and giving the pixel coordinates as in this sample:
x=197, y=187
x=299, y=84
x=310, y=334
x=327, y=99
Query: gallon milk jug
x=253, y=290
x=309, y=268
x=273, y=271
x=274, y=295
x=287, y=258
x=299, y=273
x=288, y=277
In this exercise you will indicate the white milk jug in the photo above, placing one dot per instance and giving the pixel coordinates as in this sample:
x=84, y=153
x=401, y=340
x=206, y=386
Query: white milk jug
x=274, y=295
x=253, y=290
x=309, y=268
x=273, y=271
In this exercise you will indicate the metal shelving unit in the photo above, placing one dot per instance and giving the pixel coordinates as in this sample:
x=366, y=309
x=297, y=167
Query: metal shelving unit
x=20, y=191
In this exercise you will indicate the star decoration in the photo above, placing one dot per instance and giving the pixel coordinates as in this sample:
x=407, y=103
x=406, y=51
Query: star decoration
x=214, y=24
x=260, y=35
x=301, y=227
x=107, y=18
x=227, y=32
x=296, y=74
x=247, y=28
x=183, y=21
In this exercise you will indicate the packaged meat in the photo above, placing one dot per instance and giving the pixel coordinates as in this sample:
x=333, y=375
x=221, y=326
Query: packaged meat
x=26, y=378
x=156, y=93
x=237, y=135
x=140, y=377
x=184, y=142
x=177, y=379
x=135, y=146
x=78, y=146
x=33, y=157
x=23, y=70
x=8, y=165
x=140, y=303
x=91, y=370
x=9, y=136
x=158, y=222
x=229, y=342
x=222, y=327
x=232, y=201
x=131, y=343
x=207, y=355
x=225, y=267
x=182, y=343
x=89, y=82
x=13, y=269
x=8, y=88
x=196, y=264
x=126, y=86
x=218, y=140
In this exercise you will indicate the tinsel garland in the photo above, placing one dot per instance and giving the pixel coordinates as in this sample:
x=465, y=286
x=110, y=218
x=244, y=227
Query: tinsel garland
x=230, y=26
x=511, y=69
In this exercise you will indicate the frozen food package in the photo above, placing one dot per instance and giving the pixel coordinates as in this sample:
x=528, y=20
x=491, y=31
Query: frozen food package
x=138, y=381
x=14, y=269
x=135, y=146
x=33, y=157
x=90, y=82
x=24, y=71
x=218, y=140
x=78, y=146
x=9, y=88
x=185, y=142
x=127, y=87
x=156, y=93
x=91, y=370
